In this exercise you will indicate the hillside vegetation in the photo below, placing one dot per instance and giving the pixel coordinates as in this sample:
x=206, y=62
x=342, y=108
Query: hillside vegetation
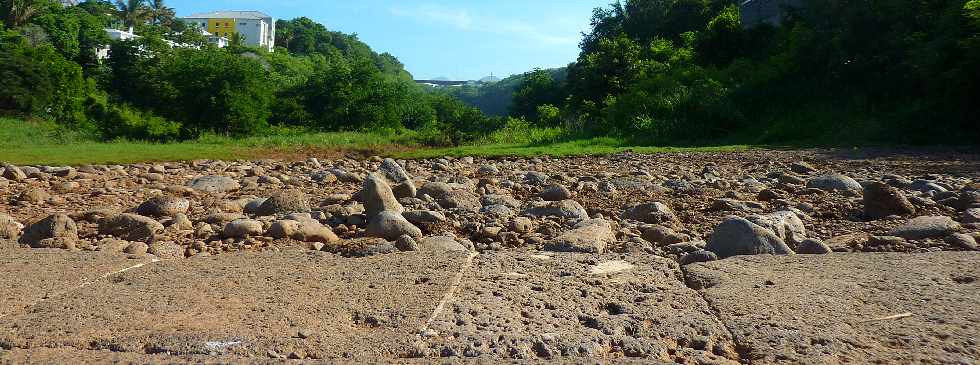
x=687, y=71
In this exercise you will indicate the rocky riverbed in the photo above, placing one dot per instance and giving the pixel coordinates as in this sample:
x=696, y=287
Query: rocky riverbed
x=687, y=207
x=550, y=225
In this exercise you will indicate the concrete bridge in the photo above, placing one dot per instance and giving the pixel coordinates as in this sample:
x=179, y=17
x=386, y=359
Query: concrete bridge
x=441, y=82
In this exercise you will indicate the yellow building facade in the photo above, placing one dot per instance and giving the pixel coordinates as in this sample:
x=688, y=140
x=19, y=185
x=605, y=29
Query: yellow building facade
x=222, y=27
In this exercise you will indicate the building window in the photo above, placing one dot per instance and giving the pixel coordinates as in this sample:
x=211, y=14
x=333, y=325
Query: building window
x=244, y=24
x=227, y=24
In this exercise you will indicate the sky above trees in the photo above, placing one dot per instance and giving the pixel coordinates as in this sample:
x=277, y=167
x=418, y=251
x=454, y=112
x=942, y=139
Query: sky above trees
x=458, y=39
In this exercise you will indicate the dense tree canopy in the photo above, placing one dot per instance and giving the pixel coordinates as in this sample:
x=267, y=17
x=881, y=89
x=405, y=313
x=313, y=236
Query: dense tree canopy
x=318, y=80
x=688, y=70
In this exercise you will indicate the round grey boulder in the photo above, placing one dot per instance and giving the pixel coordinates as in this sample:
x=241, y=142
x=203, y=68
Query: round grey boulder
x=926, y=227
x=390, y=226
x=697, y=256
x=241, y=228
x=813, y=247
x=163, y=206
x=738, y=236
x=284, y=202
x=55, y=231
x=555, y=193
x=214, y=184
x=653, y=213
x=833, y=182
x=130, y=227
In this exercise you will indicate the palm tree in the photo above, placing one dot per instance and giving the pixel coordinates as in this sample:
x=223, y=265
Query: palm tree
x=160, y=13
x=17, y=12
x=132, y=12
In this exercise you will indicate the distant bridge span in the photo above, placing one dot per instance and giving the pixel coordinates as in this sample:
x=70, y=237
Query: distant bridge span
x=441, y=82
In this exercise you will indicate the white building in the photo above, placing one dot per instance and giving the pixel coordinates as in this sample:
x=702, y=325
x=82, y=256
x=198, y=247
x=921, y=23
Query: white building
x=256, y=28
x=116, y=35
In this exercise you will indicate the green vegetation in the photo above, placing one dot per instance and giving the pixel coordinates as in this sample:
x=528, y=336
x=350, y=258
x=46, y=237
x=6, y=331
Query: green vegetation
x=149, y=89
x=676, y=72
x=46, y=143
x=40, y=142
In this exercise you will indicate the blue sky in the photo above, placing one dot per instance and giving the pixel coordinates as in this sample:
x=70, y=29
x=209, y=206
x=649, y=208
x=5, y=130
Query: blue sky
x=461, y=39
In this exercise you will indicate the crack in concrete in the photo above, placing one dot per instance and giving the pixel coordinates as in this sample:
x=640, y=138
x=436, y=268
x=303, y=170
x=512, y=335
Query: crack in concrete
x=450, y=293
x=80, y=286
x=740, y=349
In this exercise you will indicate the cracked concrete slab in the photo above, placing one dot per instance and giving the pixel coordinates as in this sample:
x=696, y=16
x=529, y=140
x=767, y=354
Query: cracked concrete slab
x=513, y=305
x=310, y=304
x=32, y=275
x=848, y=308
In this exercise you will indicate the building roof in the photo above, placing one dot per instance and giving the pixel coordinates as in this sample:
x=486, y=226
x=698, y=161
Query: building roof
x=229, y=15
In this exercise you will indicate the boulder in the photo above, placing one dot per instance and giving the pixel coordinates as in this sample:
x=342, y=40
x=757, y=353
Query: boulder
x=801, y=167
x=284, y=202
x=405, y=189
x=136, y=248
x=812, y=247
x=653, y=213
x=962, y=241
x=785, y=224
x=303, y=231
x=130, y=227
x=971, y=215
x=926, y=227
x=568, y=209
x=424, y=217
x=407, y=243
x=881, y=200
x=655, y=233
x=214, y=184
x=33, y=196
x=241, y=228
x=9, y=228
x=833, y=182
x=495, y=199
x=591, y=236
x=449, y=197
x=55, y=231
x=390, y=226
x=378, y=197
x=163, y=206
x=166, y=250
x=555, y=193
x=13, y=173
x=697, y=256
x=738, y=236
x=521, y=225
x=392, y=171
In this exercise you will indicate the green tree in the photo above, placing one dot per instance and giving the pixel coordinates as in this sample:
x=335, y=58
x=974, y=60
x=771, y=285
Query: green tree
x=16, y=13
x=160, y=14
x=38, y=81
x=537, y=88
x=133, y=12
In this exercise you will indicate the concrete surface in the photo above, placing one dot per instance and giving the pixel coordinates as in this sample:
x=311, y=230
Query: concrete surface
x=313, y=304
x=31, y=275
x=848, y=308
x=497, y=306
x=516, y=305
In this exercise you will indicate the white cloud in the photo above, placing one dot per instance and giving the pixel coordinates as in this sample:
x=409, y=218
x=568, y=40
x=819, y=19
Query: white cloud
x=460, y=19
